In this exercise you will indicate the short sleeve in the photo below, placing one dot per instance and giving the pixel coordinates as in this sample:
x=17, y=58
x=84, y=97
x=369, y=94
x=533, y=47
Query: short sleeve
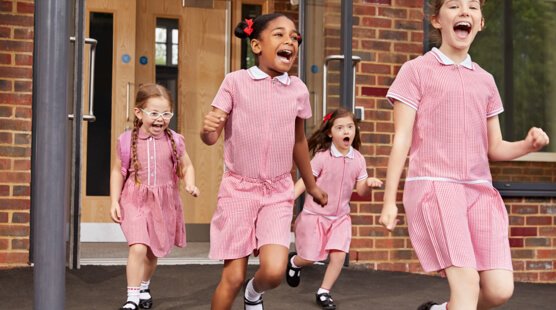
x=303, y=102
x=495, y=106
x=224, y=99
x=317, y=163
x=363, y=175
x=406, y=87
x=180, y=145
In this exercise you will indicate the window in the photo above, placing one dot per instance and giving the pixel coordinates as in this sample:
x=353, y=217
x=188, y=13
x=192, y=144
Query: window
x=166, y=59
x=517, y=48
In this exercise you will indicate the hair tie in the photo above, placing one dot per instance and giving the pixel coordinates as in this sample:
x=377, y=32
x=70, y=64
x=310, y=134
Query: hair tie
x=249, y=29
x=327, y=117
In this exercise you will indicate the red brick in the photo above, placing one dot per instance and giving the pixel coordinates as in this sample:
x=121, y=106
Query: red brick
x=23, y=7
x=4, y=216
x=14, y=204
x=539, y=265
x=23, y=60
x=526, y=276
x=17, y=73
x=5, y=59
x=389, y=243
x=523, y=231
x=361, y=243
x=518, y=265
x=22, y=139
x=24, y=33
x=5, y=163
x=6, y=85
x=517, y=220
x=10, y=151
x=14, y=258
x=388, y=2
x=5, y=32
x=23, y=112
x=6, y=111
x=373, y=256
x=524, y=209
x=414, y=48
x=538, y=242
x=20, y=218
x=22, y=164
x=6, y=6
x=544, y=254
x=392, y=266
x=391, y=12
x=517, y=254
x=14, y=230
x=539, y=220
x=15, y=177
x=361, y=220
x=16, y=46
x=376, y=22
x=516, y=242
x=547, y=276
x=409, y=3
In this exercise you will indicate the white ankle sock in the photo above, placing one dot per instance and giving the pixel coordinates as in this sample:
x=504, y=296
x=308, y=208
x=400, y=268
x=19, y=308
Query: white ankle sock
x=292, y=262
x=322, y=291
x=132, y=295
x=439, y=307
x=250, y=293
x=145, y=286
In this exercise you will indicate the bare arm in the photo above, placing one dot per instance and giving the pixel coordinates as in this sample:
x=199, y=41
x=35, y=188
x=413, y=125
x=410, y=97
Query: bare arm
x=299, y=188
x=404, y=117
x=301, y=158
x=189, y=173
x=212, y=125
x=116, y=184
x=500, y=150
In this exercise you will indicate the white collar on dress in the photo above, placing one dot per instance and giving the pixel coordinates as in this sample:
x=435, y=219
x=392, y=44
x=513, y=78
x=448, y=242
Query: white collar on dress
x=442, y=58
x=335, y=153
x=257, y=74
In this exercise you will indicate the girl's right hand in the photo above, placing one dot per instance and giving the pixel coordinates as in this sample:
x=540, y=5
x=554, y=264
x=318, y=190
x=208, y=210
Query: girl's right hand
x=115, y=212
x=388, y=216
x=212, y=121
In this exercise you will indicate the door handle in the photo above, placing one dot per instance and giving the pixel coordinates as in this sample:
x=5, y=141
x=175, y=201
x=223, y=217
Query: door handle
x=89, y=117
x=355, y=60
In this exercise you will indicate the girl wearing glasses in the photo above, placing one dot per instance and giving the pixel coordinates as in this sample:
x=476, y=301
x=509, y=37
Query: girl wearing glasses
x=144, y=191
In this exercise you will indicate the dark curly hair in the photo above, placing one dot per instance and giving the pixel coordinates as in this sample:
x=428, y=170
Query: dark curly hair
x=259, y=25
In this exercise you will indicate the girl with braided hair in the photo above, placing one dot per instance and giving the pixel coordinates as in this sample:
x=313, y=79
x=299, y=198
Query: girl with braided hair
x=144, y=190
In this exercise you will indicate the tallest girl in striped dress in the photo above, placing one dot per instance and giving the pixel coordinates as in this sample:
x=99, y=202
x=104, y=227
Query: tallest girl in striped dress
x=446, y=116
x=262, y=110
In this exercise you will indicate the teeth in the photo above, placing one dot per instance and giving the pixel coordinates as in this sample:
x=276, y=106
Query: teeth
x=287, y=52
x=466, y=24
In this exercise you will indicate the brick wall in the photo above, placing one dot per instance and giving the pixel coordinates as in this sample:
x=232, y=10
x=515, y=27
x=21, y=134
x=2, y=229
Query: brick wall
x=16, y=47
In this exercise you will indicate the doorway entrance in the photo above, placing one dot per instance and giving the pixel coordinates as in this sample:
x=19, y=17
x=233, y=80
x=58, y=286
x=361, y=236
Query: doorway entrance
x=180, y=44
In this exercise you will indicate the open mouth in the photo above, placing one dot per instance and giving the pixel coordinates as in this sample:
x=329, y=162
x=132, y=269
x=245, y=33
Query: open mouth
x=285, y=55
x=462, y=29
x=346, y=141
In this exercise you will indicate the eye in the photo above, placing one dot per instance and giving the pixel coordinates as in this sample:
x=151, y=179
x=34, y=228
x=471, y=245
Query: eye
x=278, y=34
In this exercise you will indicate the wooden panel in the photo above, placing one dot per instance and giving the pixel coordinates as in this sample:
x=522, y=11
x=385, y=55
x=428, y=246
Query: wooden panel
x=96, y=209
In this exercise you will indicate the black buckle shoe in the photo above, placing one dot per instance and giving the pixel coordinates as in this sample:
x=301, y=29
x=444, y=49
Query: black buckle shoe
x=146, y=303
x=247, y=302
x=325, y=301
x=427, y=305
x=293, y=275
x=135, y=306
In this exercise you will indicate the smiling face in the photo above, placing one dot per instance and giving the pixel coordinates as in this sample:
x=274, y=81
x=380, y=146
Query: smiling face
x=342, y=133
x=277, y=46
x=151, y=125
x=459, y=21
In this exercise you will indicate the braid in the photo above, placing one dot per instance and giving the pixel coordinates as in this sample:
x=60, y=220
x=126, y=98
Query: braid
x=175, y=158
x=134, y=159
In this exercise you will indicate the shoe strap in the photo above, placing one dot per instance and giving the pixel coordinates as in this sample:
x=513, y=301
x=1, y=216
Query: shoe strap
x=252, y=303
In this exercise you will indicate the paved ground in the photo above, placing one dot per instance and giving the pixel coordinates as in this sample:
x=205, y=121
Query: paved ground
x=191, y=287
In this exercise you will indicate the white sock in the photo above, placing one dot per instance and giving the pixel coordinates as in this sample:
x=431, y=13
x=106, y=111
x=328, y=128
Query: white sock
x=322, y=291
x=132, y=295
x=145, y=286
x=439, y=307
x=293, y=264
x=250, y=292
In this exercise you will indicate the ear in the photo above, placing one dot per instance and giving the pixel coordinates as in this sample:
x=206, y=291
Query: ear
x=482, y=24
x=434, y=22
x=138, y=113
x=255, y=46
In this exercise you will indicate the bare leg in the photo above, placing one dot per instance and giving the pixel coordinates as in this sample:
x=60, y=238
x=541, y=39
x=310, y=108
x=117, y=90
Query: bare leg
x=136, y=264
x=464, y=288
x=273, y=262
x=150, y=265
x=233, y=276
x=497, y=287
x=333, y=270
x=302, y=262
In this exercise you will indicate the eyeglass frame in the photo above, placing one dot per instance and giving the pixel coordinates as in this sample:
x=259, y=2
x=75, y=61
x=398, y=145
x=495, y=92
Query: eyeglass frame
x=158, y=114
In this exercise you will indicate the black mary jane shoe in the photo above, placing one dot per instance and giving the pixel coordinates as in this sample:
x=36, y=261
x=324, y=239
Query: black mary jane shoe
x=325, y=301
x=135, y=306
x=247, y=302
x=146, y=303
x=427, y=305
x=293, y=274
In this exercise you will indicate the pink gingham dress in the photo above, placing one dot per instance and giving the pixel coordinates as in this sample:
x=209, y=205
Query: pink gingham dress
x=152, y=212
x=318, y=230
x=455, y=216
x=256, y=194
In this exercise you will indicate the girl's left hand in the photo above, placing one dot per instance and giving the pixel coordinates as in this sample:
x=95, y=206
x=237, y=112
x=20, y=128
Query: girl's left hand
x=537, y=138
x=192, y=189
x=374, y=182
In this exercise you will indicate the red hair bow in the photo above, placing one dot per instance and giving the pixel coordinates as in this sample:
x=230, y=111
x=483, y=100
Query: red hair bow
x=249, y=29
x=327, y=117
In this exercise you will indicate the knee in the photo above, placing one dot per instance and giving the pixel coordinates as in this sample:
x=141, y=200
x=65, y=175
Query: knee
x=138, y=250
x=272, y=277
x=498, y=296
x=233, y=281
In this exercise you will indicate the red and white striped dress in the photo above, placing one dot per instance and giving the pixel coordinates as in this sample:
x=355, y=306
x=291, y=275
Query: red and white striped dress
x=455, y=216
x=255, y=199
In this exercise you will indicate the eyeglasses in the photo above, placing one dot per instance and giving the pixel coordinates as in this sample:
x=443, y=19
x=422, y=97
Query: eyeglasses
x=156, y=115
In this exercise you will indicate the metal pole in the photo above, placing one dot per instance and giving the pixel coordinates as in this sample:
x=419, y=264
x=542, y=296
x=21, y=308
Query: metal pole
x=50, y=128
x=508, y=72
x=346, y=75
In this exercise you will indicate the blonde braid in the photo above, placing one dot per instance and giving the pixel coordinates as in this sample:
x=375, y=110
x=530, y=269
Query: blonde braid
x=134, y=159
x=175, y=158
